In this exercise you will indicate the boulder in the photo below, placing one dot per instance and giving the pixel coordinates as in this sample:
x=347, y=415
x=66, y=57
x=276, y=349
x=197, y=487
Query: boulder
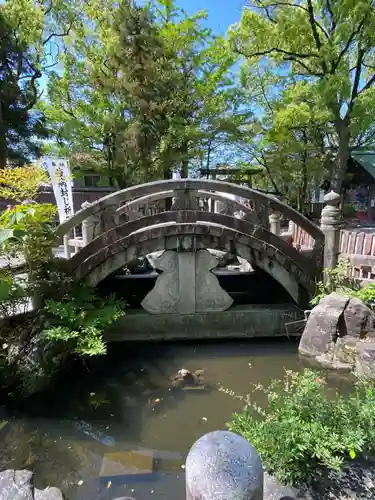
x=35, y=358
x=365, y=359
x=16, y=485
x=48, y=494
x=188, y=380
x=340, y=334
x=19, y=485
x=321, y=328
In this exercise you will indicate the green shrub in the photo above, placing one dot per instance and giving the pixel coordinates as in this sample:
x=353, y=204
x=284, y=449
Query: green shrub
x=339, y=282
x=80, y=318
x=306, y=427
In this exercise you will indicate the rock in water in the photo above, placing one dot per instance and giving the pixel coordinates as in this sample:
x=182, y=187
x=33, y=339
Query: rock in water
x=19, y=485
x=340, y=334
x=16, y=485
x=188, y=380
x=48, y=494
x=321, y=327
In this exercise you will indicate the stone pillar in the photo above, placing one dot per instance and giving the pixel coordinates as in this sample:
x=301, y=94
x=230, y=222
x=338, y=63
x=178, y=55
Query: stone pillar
x=275, y=223
x=88, y=226
x=331, y=224
x=223, y=465
x=67, y=252
x=288, y=235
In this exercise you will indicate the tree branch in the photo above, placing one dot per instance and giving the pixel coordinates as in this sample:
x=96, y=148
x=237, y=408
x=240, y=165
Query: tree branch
x=330, y=12
x=347, y=46
x=315, y=33
x=264, y=91
x=37, y=74
x=369, y=84
x=293, y=5
x=59, y=35
x=357, y=78
x=274, y=49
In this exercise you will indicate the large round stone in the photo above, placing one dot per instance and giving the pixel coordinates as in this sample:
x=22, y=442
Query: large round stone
x=223, y=466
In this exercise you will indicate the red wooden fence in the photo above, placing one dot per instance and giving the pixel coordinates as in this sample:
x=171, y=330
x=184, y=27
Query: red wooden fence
x=356, y=246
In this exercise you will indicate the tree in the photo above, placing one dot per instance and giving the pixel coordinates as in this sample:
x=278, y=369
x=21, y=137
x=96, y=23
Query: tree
x=31, y=35
x=145, y=83
x=107, y=104
x=139, y=89
x=19, y=126
x=202, y=102
x=328, y=49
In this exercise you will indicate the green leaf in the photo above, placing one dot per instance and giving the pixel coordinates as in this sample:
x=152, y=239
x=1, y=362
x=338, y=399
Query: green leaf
x=5, y=289
x=5, y=235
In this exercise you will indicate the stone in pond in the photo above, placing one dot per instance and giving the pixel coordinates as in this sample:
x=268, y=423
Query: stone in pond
x=16, y=485
x=48, y=494
x=189, y=380
x=19, y=485
x=338, y=335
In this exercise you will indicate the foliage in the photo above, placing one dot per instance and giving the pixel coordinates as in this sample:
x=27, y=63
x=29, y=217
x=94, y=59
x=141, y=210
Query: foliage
x=27, y=230
x=26, y=241
x=292, y=153
x=19, y=126
x=21, y=183
x=32, y=36
x=79, y=319
x=14, y=298
x=142, y=92
x=338, y=281
x=324, y=55
x=305, y=427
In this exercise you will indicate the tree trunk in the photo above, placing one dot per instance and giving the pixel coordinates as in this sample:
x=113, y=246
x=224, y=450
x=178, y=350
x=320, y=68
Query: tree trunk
x=3, y=147
x=338, y=175
x=185, y=169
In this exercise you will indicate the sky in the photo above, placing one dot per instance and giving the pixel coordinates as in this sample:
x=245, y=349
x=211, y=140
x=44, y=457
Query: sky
x=221, y=13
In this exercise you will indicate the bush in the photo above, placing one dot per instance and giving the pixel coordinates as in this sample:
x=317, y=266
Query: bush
x=80, y=318
x=338, y=281
x=306, y=427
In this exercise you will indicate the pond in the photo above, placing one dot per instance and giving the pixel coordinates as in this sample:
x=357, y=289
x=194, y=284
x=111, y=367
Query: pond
x=117, y=428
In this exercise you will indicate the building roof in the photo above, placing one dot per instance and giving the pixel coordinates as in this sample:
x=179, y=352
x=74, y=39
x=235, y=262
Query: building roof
x=366, y=158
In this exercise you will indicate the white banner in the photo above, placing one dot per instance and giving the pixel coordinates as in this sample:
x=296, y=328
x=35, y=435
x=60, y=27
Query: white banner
x=59, y=173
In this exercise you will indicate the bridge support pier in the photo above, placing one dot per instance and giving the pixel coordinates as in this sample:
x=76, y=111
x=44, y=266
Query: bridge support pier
x=186, y=286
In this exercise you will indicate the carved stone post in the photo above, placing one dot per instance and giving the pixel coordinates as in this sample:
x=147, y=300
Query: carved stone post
x=88, y=226
x=67, y=251
x=275, y=223
x=331, y=224
x=223, y=465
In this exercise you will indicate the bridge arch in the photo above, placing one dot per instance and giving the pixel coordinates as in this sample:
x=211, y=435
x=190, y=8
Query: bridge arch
x=98, y=262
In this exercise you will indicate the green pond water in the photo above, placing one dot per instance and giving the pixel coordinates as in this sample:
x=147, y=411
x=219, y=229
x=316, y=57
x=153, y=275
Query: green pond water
x=117, y=428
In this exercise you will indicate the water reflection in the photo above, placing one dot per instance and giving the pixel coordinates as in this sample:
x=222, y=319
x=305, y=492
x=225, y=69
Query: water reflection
x=121, y=429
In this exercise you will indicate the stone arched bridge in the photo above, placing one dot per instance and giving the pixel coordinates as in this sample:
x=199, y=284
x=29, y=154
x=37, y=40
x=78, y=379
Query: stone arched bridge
x=137, y=221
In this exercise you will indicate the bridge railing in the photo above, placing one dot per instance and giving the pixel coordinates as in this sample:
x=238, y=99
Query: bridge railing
x=190, y=194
